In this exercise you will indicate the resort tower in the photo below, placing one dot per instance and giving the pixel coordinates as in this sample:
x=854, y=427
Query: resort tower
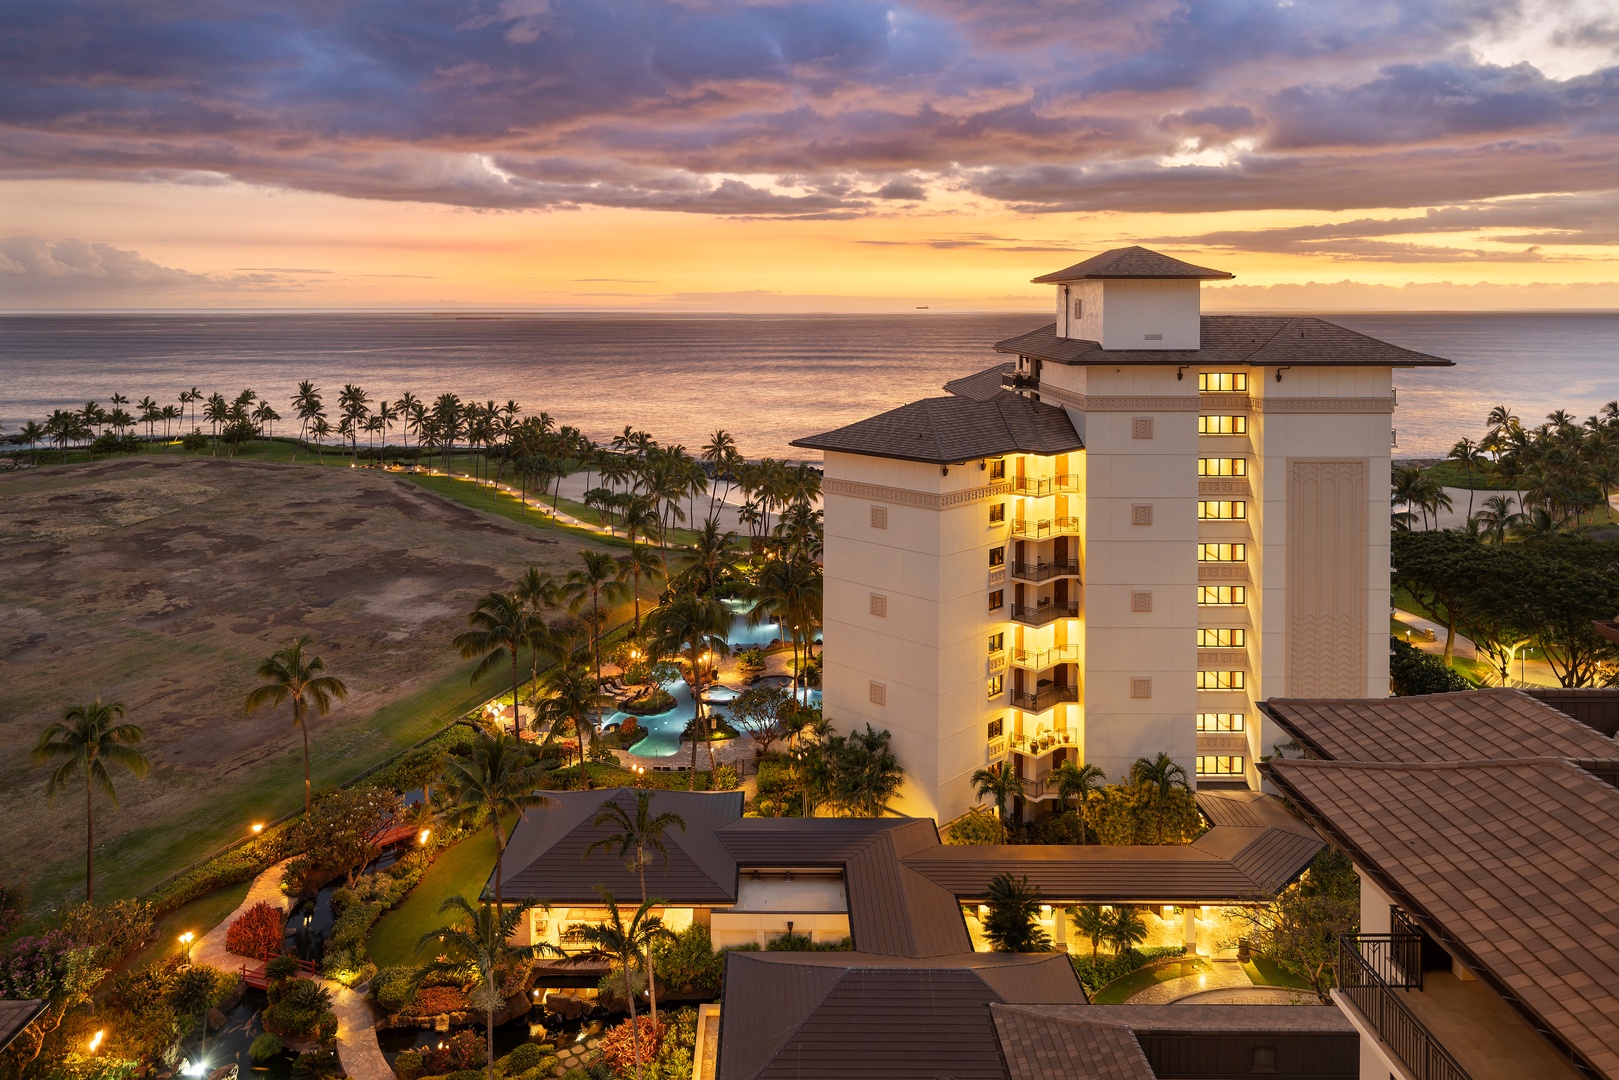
x=1114, y=543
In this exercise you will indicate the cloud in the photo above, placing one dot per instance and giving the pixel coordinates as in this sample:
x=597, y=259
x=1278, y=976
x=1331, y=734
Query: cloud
x=33, y=270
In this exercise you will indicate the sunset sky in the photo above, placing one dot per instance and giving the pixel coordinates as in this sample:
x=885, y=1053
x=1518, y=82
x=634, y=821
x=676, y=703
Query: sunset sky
x=840, y=155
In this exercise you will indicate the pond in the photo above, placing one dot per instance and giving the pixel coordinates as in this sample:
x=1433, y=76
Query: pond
x=309, y=923
x=535, y=1026
x=663, y=729
x=229, y=1044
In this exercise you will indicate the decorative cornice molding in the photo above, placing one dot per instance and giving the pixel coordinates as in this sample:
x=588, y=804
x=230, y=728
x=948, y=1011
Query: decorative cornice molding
x=1224, y=402
x=1223, y=487
x=1222, y=658
x=924, y=500
x=1091, y=403
x=1324, y=405
x=1222, y=741
x=1222, y=571
x=1221, y=403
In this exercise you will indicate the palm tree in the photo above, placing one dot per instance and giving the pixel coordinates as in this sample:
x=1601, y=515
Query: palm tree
x=1125, y=929
x=1001, y=784
x=501, y=626
x=639, y=834
x=1467, y=452
x=791, y=591
x=496, y=777
x=303, y=681
x=1078, y=781
x=1013, y=921
x=479, y=943
x=623, y=944
x=572, y=693
x=32, y=432
x=87, y=739
x=694, y=628
x=539, y=593
x=634, y=564
x=596, y=581
x=1091, y=921
x=1161, y=773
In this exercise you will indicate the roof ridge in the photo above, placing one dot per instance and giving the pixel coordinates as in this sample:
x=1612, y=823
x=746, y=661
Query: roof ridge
x=1435, y=766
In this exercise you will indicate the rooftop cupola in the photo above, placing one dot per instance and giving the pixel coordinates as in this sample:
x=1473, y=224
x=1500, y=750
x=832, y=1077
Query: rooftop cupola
x=1131, y=298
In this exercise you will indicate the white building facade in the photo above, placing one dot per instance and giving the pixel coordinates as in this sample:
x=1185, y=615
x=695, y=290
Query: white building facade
x=1113, y=545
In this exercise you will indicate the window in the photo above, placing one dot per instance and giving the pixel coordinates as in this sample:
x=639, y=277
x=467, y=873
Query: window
x=997, y=556
x=1221, y=638
x=1221, y=509
x=1222, y=382
x=1141, y=600
x=879, y=605
x=1222, y=680
x=1140, y=686
x=997, y=642
x=879, y=517
x=1141, y=427
x=1222, y=594
x=1141, y=514
x=995, y=728
x=1220, y=721
x=1222, y=425
x=1222, y=552
x=877, y=693
x=997, y=600
x=997, y=469
x=997, y=513
x=997, y=685
x=1222, y=466
x=1219, y=765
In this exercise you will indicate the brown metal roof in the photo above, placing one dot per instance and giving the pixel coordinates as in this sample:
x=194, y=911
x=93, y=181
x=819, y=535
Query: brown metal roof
x=1132, y=262
x=546, y=856
x=980, y=385
x=1229, y=1019
x=1041, y=1044
x=1595, y=707
x=1512, y=865
x=15, y=1016
x=1247, y=340
x=948, y=430
x=1475, y=725
x=849, y=1016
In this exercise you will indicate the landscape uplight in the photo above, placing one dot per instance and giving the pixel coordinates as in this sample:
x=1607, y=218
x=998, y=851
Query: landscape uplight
x=257, y=827
x=95, y=1040
x=425, y=833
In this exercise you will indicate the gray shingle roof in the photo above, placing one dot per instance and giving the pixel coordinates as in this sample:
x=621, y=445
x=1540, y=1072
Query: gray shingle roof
x=1250, y=340
x=1475, y=725
x=15, y=1016
x=1512, y=865
x=1132, y=262
x=980, y=385
x=947, y=430
x=1038, y=1044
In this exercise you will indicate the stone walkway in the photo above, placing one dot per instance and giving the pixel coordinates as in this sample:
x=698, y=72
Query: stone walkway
x=210, y=948
x=1227, y=974
x=1253, y=995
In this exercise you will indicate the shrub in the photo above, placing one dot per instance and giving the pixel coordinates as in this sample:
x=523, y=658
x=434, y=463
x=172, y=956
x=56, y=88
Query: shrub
x=301, y=1011
x=258, y=933
x=751, y=660
x=981, y=826
x=1096, y=972
x=776, y=776
x=462, y=1050
x=350, y=930
x=236, y=865
x=433, y=1000
x=265, y=1047
x=805, y=943
x=113, y=930
x=465, y=1074
x=618, y=1044
x=283, y=966
x=725, y=778
x=658, y=701
x=688, y=962
x=1412, y=671
x=629, y=731
x=391, y=988
x=522, y=1058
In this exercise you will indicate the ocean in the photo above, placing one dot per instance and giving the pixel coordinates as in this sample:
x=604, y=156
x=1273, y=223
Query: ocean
x=765, y=379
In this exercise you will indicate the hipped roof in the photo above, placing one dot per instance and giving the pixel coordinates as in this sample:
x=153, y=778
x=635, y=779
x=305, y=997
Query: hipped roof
x=1245, y=340
x=1132, y=262
x=948, y=430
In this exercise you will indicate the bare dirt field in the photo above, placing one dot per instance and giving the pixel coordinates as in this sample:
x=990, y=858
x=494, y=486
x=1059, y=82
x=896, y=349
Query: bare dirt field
x=163, y=583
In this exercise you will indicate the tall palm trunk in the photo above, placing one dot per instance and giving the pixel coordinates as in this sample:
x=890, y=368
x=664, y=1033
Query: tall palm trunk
x=489, y=1030
x=89, y=841
x=500, y=853
x=304, y=729
x=651, y=977
x=635, y=1023
x=517, y=720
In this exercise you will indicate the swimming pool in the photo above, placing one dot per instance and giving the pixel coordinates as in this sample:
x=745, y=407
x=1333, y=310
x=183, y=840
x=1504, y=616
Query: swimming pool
x=663, y=729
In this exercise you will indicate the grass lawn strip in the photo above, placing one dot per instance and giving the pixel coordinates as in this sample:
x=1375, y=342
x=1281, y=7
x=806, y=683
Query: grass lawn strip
x=462, y=869
x=1266, y=972
x=1125, y=987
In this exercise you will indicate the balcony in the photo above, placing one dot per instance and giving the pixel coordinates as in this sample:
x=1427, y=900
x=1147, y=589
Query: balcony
x=1043, y=699
x=1038, y=530
x=1019, y=380
x=1045, y=571
x=1041, y=743
x=1039, y=486
x=1370, y=968
x=1040, y=659
x=1045, y=613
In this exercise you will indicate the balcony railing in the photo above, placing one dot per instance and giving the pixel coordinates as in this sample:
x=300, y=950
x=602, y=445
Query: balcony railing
x=1041, y=700
x=1038, y=486
x=1040, y=743
x=1019, y=380
x=1362, y=962
x=1043, y=614
x=1045, y=571
x=1045, y=527
x=1040, y=659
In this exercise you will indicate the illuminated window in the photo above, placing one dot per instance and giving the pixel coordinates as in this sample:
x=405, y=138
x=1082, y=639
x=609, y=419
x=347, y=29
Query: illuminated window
x=1223, y=382
x=1222, y=680
x=1221, y=721
x=997, y=556
x=997, y=513
x=1222, y=425
x=997, y=685
x=1219, y=765
x=1222, y=594
x=1222, y=552
x=1222, y=466
x=995, y=728
x=1221, y=638
x=997, y=642
x=997, y=600
x=1221, y=509
x=997, y=469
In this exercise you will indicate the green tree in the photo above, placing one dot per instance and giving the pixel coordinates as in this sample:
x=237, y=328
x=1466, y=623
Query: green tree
x=637, y=836
x=1161, y=773
x=302, y=680
x=1000, y=783
x=1573, y=582
x=1301, y=927
x=1125, y=929
x=1440, y=571
x=791, y=591
x=638, y=563
x=1467, y=453
x=1092, y=922
x=92, y=740
x=340, y=831
x=594, y=582
x=479, y=945
x=694, y=628
x=572, y=693
x=1078, y=782
x=623, y=944
x=495, y=777
x=864, y=773
x=1012, y=923
x=501, y=625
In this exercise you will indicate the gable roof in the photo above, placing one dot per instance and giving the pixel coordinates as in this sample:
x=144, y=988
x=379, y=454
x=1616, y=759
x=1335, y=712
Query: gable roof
x=948, y=430
x=546, y=856
x=1042, y=1044
x=1132, y=262
x=1474, y=725
x=1512, y=865
x=858, y=1017
x=1249, y=340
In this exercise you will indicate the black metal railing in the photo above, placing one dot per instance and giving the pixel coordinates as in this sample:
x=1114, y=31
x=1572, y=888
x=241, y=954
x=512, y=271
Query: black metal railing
x=1045, y=571
x=1044, y=699
x=1044, y=613
x=1040, y=659
x=1360, y=981
x=1037, y=486
x=1045, y=527
x=1019, y=380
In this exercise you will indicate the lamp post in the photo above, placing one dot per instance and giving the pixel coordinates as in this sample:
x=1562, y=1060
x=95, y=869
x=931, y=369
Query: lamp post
x=185, y=946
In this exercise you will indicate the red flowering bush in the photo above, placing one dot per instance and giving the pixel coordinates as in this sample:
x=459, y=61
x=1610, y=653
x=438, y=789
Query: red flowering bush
x=259, y=933
x=463, y=1050
x=618, y=1045
x=432, y=1000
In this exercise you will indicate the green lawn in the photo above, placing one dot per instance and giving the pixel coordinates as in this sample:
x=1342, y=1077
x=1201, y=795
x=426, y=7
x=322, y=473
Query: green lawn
x=462, y=869
x=1125, y=987
x=493, y=501
x=1266, y=972
x=200, y=916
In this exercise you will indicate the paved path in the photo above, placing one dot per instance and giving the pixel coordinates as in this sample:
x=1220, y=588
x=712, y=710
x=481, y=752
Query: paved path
x=1226, y=974
x=210, y=948
x=1253, y=995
